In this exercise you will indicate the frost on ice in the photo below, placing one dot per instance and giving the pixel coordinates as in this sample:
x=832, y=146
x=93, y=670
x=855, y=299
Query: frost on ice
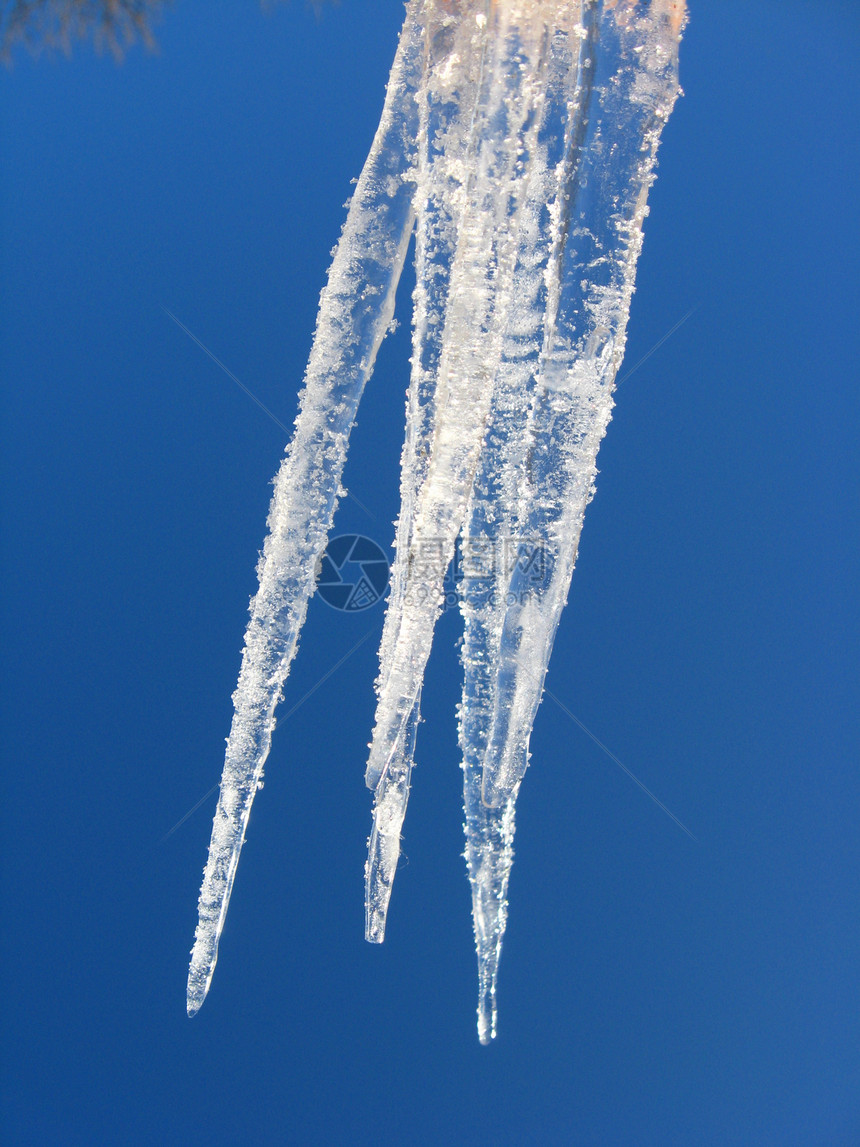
x=518, y=141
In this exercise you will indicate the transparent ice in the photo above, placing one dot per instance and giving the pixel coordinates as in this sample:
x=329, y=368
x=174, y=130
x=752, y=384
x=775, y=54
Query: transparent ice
x=518, y=140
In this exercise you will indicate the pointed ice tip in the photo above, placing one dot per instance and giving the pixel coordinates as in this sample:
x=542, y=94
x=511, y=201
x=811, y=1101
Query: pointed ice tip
x=486, y=1030
x=486, y=1020
x=374, y=926
x=196, y=995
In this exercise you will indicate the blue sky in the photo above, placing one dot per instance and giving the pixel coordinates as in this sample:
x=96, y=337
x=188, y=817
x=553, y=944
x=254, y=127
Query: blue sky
x=653, y=990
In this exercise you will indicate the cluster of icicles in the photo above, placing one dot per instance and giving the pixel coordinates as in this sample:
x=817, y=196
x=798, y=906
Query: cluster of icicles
x=517, y=141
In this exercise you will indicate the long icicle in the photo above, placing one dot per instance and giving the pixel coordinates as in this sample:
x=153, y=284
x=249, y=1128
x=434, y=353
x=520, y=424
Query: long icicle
x=435, y=245
x=480, y=279
x=356, y=308
x=635, y=86
x=489, y=542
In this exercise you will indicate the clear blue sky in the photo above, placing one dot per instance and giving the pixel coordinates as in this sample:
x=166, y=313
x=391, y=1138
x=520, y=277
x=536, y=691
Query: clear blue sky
x=653, y=990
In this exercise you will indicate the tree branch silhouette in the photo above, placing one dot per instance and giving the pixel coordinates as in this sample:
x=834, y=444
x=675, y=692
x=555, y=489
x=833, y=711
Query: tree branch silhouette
x=50, y=24
x=39, y=25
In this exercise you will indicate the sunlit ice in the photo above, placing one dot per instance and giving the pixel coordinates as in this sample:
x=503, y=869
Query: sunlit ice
x=517, y=143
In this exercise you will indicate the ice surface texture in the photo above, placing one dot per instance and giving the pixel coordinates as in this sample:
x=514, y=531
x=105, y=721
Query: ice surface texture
x=518, y=139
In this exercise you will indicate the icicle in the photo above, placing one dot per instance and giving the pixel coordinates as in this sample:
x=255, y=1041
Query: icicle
x=635, y=87
x=484, y=189
x=356, y=308
x=490, y=543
